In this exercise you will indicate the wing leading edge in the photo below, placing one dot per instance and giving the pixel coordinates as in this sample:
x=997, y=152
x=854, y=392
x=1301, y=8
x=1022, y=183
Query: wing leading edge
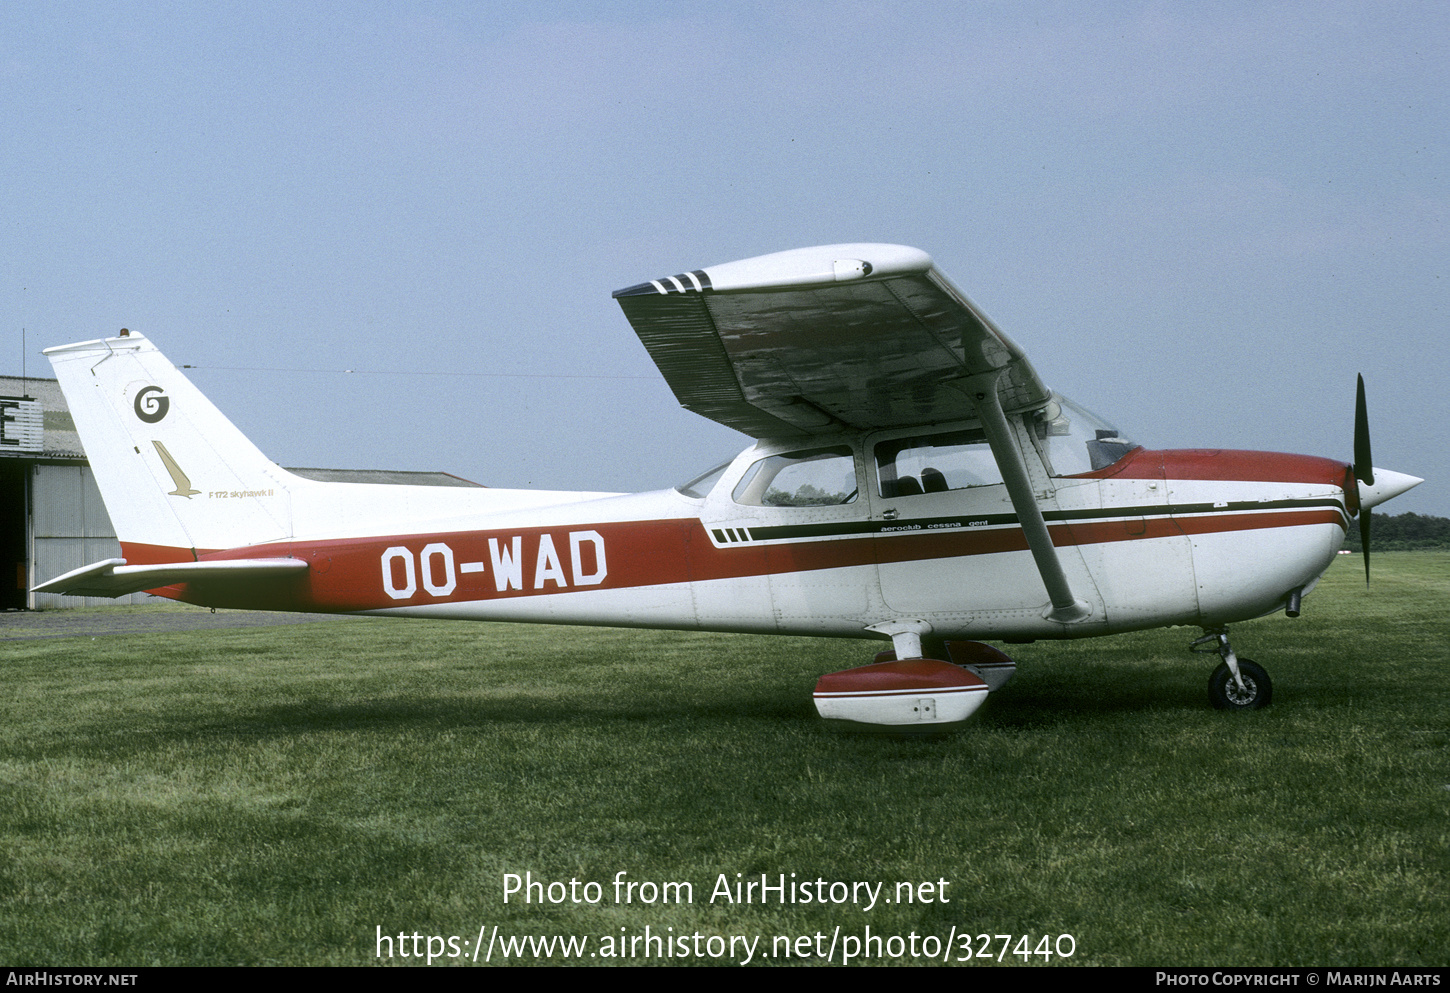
x=857, y=336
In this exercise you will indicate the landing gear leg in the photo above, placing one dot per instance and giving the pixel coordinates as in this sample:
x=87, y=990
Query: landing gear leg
x=1237, y=684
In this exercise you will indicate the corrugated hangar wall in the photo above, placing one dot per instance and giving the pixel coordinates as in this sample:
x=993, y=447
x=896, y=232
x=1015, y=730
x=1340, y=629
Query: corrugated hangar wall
x=52, y=519
x=69, y=529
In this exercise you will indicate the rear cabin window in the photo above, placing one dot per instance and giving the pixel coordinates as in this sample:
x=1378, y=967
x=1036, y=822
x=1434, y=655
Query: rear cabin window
x=701, y=485
x=821, y=477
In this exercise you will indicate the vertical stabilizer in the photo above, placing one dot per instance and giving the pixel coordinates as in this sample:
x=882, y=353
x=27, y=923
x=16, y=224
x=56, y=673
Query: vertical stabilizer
x=174, y=472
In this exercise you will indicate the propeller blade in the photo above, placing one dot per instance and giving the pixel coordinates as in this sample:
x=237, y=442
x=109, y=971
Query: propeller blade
x=1363, y=461
x=1363, y=467
x=1364, y=541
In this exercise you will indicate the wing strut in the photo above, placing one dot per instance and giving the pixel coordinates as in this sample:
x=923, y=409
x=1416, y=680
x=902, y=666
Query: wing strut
x=983, y=391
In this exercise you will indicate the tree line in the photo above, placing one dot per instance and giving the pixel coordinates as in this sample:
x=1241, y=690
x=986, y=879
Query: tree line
x=1402, y=532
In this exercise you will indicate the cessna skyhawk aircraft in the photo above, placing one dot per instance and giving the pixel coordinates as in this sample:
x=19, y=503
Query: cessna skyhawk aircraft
x=914, y=481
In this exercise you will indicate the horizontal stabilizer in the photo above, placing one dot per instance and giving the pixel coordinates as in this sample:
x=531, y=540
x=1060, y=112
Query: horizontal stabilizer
x=113, y=577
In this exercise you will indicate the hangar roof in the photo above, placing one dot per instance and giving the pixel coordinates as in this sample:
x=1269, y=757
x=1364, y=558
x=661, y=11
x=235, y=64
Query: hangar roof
x=60, y=438
x=62, y=442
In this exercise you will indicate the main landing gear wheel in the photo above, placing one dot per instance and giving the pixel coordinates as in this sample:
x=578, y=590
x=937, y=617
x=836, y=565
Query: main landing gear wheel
x=1226, y=693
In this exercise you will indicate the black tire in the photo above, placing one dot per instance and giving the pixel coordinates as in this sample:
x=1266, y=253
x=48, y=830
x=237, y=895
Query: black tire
x=1226, y=695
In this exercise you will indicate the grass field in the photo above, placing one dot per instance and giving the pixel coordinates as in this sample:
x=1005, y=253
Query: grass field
x=278, y=795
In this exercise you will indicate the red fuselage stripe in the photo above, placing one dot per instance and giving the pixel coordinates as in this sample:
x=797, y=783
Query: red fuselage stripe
x=347, y=574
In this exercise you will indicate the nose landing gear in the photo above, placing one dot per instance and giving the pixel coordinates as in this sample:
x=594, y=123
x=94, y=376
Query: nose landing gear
x=1237, y=684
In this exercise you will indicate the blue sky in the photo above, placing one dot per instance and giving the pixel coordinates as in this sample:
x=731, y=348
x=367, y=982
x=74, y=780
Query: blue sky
x=1200, y=220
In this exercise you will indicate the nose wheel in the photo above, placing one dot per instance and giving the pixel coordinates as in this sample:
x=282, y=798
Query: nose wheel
x=1237, y=684
x=1226, y=694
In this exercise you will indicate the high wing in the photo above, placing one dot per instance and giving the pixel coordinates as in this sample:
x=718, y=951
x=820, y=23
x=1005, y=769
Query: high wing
x=855, y=336
x=858, y=336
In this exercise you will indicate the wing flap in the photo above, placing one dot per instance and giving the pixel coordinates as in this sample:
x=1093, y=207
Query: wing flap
x=113, y=577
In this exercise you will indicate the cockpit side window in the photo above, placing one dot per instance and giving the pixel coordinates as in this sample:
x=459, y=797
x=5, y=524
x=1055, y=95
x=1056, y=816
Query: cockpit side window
x=936, y=463
x=820, y=477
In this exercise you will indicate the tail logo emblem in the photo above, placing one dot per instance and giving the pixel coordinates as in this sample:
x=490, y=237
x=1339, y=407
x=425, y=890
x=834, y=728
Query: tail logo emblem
x=152, y=408
x=183, y=484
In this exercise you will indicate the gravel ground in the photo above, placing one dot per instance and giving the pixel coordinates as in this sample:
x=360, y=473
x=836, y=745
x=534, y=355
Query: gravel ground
x=91, y=622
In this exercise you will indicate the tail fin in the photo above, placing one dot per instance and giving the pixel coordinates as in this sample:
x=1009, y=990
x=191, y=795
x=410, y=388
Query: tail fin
x=173, y=471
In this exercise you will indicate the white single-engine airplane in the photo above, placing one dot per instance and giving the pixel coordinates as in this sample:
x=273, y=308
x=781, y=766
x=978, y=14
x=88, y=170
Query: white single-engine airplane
x=914, y=481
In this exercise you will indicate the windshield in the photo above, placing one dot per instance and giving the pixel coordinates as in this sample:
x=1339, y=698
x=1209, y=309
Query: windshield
x=1075, y=439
